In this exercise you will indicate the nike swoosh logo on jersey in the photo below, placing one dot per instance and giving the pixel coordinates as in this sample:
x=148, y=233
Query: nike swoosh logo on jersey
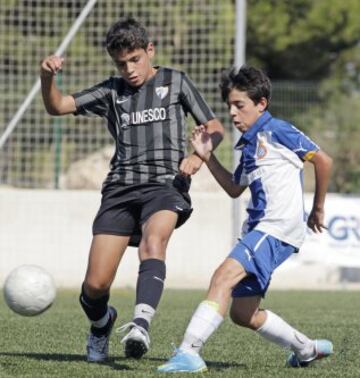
x=121, y=100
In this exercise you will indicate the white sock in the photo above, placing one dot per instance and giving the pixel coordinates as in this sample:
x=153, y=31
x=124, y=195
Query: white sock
x=144, y=311
x=281, y=333
x=203, y=324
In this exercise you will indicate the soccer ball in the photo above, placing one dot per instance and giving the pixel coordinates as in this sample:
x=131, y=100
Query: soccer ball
x=29, y=290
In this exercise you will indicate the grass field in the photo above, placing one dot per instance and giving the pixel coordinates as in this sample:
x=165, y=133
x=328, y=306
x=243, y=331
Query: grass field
x=52, y=344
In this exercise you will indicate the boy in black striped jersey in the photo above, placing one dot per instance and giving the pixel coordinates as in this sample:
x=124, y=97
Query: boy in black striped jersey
x=145, y=195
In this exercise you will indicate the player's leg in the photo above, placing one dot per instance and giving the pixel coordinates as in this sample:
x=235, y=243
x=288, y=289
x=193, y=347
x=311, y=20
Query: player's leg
x=105, y=254
x=156, y=232
x=206, y=319
x=231, y=273
x=163, y=208
x=210, y=313
x=264, y=256
x=113, y=226
x=243, y=261
x=246, y=313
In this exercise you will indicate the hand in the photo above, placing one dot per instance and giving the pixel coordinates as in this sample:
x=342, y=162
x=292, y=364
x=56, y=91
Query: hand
x=190, y=165
x=51, y=65
x=316, y=220
x=202, y=143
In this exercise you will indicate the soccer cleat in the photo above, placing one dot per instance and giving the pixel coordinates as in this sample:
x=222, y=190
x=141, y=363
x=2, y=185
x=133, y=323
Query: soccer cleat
x=136, y=342
x=183, y=362
x=98, y=346
x=323, y=348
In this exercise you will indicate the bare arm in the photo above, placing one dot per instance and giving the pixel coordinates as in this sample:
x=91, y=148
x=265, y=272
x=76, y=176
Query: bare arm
x=55, y=103
x=202, y=143
x=192, y=163
x=224, y=177
x=216, y=131
x=322, y=166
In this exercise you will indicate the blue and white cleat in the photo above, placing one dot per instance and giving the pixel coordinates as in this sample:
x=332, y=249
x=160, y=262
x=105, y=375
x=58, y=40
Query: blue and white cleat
x=183, y=362
x=323, y=348
x=98, y=346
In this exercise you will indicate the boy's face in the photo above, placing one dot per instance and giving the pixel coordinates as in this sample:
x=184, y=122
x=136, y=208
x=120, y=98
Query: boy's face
x=135, y=66
x=243, y=111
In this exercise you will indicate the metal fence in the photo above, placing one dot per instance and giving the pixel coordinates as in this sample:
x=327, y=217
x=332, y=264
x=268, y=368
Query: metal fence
x=195, y=36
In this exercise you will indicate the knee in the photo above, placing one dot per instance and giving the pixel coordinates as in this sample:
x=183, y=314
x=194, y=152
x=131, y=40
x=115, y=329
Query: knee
x=96, y=288
x=153, y=247
x=221, y=280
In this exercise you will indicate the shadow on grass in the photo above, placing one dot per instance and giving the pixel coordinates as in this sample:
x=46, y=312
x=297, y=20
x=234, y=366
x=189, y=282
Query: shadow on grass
x=224, y=365
x=66, y=358
x=112, y=361
x=216, y=365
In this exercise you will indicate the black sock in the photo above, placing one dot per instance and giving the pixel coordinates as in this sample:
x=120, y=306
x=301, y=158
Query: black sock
x=150, y=285
x=95, y=309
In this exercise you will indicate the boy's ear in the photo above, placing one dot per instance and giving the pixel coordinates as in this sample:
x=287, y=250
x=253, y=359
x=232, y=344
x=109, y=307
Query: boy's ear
x=263, y=104
x=150, y=50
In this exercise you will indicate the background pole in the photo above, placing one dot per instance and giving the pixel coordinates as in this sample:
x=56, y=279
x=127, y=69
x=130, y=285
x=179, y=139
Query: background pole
x=239, y=60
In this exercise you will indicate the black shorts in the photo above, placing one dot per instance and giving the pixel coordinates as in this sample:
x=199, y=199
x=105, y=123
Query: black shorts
x=124, y=208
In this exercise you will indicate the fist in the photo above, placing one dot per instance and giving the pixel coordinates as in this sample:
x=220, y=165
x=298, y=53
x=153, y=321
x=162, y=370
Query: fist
x=51, y=65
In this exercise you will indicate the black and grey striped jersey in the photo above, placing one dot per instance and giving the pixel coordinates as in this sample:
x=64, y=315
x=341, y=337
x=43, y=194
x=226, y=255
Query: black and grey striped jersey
x=147, y=123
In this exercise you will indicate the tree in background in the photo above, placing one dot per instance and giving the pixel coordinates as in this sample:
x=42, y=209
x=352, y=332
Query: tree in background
x=301, y=39
x=310, y=49
x=316, y=41
x=339, y=123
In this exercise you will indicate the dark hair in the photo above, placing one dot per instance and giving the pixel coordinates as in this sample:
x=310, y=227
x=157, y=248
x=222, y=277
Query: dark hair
x=126, y=35
x=247, y=79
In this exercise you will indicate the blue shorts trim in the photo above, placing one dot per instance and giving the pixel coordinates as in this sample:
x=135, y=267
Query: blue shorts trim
x=260, y=254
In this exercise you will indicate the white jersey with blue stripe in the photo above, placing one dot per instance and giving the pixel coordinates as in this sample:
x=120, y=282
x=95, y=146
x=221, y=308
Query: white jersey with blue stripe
x=271, y=164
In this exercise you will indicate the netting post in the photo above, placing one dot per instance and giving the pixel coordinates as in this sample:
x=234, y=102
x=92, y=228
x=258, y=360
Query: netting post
x=239, y=60
x=57, y=125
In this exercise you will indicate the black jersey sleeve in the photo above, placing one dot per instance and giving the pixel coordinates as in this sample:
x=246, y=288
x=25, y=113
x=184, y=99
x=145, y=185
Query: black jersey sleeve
x=94, y=101
x=193, y=102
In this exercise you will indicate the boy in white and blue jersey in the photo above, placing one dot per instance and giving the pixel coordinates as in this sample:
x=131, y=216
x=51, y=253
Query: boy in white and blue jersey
x=271, y=166
x=273, y=152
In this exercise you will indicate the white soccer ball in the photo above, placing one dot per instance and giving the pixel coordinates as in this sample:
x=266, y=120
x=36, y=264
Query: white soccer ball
x=29, y=290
